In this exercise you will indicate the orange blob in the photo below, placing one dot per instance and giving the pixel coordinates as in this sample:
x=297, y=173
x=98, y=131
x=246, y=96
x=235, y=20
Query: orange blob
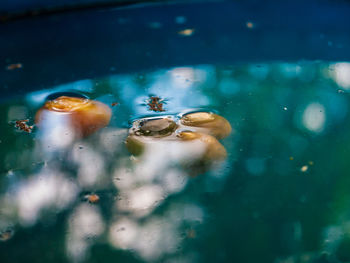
x=83, y=115
x=93, y=198
x=209, y=123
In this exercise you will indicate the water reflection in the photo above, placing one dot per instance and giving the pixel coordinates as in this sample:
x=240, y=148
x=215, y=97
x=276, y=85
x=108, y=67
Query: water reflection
x=84, y=226
x=314, y=117
x=341, y=74
x=258, y=187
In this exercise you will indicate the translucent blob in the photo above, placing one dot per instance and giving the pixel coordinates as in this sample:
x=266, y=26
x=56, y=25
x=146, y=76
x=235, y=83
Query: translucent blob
x=314, y=117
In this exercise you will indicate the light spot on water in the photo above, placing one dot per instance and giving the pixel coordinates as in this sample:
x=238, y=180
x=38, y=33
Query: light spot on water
x=304, y=168
x=186, y=32
x=314, y=117
x=341, y=74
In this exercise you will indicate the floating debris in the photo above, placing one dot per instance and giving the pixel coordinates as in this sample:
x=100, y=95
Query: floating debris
x=92, y=198
x=291, y=158
x=23, y=126
x=155, y=104
x=186, y=32
x=114, y=104
x=311, y=163
x=14, y=66
x=285, y=108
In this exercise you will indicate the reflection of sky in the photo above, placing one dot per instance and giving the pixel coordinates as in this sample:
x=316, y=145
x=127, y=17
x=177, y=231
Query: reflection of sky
x=184, y=81
x=314, y=117
x=56, y=132
x=47, y=190
x=84, y=226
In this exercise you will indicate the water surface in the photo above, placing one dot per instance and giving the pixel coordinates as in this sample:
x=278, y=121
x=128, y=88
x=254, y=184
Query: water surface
x=281, y=195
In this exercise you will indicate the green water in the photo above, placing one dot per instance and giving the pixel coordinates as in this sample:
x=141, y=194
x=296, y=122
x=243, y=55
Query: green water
x=282, y=194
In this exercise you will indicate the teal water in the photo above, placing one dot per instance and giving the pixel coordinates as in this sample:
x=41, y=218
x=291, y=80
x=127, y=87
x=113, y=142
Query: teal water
x=281, y=195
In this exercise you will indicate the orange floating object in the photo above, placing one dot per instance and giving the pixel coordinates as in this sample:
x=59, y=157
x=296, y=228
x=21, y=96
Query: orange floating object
x=93, y=198
x=83, y=115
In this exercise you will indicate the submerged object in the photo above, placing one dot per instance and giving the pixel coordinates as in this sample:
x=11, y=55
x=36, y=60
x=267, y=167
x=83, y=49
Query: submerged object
x=82, y=115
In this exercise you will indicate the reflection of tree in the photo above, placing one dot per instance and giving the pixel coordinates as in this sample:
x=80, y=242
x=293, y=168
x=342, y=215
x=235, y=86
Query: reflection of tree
x=260, y=208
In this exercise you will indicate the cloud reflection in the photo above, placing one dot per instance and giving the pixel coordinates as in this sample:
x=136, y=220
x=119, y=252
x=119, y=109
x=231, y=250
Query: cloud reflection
x=85, y=225
x=46, y=190
x=342, y=74
x=314, y=117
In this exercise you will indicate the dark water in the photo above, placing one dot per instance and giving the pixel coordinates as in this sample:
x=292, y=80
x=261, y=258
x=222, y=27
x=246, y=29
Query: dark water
x=281, y=195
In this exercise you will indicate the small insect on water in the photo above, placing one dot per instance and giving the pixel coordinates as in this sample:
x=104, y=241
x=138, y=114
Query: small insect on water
x=155, y=104
x=23, y=126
